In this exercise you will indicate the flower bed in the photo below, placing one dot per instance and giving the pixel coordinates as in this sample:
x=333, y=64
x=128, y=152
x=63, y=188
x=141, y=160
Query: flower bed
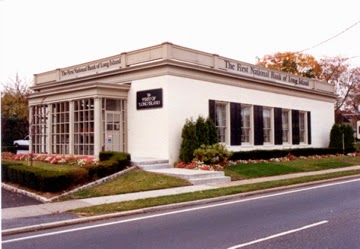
x=199, y=165
x=53, y=159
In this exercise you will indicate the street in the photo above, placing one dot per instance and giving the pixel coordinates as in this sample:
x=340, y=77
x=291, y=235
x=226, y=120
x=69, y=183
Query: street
x=323, y=216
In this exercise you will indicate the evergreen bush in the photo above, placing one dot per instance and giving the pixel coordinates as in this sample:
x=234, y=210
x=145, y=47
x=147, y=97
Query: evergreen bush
x=213, y=136
x=202, y=131
x=189, y=141
x=336, y=137
x=195, y=134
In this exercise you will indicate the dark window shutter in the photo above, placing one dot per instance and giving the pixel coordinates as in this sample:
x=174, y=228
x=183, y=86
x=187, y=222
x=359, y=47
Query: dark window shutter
x=309, y=127
x=258, y=125
x=278, y=125
x=212, y=110
x=235, y=123
x=295, y=127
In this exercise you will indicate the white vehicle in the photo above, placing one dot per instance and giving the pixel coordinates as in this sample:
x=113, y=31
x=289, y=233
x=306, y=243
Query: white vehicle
x=22, y=143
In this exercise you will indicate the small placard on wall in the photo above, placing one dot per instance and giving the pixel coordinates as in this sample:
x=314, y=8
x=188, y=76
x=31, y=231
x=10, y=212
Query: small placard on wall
x=149, y=99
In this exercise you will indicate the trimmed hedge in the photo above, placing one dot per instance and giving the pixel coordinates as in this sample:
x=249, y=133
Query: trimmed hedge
x=268, y=154
x=48, y=180
x=110, y=163
x=42, y=179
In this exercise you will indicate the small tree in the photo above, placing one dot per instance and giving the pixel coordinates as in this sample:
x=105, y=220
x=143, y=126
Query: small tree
x=195, y=134
x=338, y=141
x=202, y=131
x=189, y=141
x=348, y=136
x=335, y=137
x=213, y=136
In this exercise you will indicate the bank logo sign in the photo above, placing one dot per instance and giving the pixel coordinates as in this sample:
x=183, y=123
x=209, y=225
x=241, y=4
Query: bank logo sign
x=149, y=99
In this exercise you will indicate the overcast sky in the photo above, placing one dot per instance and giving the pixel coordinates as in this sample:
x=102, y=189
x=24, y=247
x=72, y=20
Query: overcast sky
x=42, y=35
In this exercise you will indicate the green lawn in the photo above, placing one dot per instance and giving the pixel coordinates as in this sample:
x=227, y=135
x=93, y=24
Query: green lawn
x=246, y=171
x=165, y=200
x=133, y=181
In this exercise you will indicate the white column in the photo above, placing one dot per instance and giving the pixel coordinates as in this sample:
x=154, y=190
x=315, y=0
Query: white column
x=71, y=127
x=49, y=129
x=97, y=127
x=31, y=129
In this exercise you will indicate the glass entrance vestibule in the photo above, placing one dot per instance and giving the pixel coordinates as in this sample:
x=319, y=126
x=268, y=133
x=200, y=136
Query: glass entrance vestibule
x=79, y=127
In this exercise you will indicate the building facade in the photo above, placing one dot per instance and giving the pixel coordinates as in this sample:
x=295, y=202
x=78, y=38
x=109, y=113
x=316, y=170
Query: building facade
x=138, y=102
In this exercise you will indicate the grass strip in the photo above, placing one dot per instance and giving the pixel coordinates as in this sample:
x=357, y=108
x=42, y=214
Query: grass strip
x=134, y=181
x=199, y=195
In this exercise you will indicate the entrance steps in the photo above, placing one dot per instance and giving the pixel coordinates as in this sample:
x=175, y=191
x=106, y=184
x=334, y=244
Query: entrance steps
x=196, y=177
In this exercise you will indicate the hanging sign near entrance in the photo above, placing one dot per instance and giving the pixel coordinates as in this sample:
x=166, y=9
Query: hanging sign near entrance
x=149, y=99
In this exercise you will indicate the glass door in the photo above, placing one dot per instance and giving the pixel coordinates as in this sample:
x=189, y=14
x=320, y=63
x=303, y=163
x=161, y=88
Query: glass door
x=113, y=134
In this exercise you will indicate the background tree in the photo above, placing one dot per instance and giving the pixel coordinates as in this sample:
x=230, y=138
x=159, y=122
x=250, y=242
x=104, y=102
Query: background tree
x=14, y=110
x=334, y=70
x=14, y=102
x=337, y=71
x=295, y=63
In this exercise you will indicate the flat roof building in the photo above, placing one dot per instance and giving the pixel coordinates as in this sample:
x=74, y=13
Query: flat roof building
x=138, y=102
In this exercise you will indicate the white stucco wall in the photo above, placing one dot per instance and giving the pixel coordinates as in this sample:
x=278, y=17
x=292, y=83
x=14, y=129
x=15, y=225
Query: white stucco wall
x=157, y=132
x=148, y=129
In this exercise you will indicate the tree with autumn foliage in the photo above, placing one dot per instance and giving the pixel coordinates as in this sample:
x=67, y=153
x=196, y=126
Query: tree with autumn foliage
x=337, y=71
x=295, y=63
x=334, y=70
x=14, y=110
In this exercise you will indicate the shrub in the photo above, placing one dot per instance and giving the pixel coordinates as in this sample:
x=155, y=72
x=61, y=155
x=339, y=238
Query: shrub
x=13, y=128
x=189, y=141
x=336, y=137
x=42, y=179
x=11, y=149
x=202, y=131
x=194, y=134
x=110, y=163
x=213, y=136
x=212, y=154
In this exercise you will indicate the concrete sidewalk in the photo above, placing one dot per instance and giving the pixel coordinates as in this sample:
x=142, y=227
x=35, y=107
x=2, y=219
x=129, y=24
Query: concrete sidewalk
x=60, y=207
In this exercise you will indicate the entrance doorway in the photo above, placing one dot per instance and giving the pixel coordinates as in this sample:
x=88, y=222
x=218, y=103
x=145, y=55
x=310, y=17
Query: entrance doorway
x=114, y=139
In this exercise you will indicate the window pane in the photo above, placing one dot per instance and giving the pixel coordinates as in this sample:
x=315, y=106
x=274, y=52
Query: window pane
x=220, y=121
x=267, y=125
x=245, y=124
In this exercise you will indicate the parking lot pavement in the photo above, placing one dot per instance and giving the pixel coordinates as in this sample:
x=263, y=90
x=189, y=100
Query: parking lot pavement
x=10, y=199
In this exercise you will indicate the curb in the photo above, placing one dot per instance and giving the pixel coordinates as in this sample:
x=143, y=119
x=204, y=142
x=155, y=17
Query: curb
x=58, y=224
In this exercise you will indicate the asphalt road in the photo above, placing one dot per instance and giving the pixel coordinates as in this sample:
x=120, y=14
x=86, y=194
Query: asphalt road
x=11, y=199
x=324, y=216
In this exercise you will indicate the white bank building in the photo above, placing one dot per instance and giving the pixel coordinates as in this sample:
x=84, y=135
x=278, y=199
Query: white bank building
x=138, y=101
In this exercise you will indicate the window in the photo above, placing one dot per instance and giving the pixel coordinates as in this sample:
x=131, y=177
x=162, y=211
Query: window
x=84, y=127
x=39, y=128
x=245, y=124
x=267, y=125
x=60, y=128
x=220, y=121
x=285, y=126
x=302, y=127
